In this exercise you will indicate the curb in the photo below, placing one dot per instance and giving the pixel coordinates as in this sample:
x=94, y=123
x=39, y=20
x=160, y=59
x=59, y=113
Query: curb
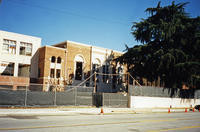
x=44, y=107
x=69, y=111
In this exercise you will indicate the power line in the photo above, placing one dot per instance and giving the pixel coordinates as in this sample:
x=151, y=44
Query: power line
x=65, y=12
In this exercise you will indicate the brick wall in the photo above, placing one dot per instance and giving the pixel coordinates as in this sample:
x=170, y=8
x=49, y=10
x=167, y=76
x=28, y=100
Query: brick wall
x=72, y=51
x=68, y=51
x=45, y=56
x=14, y=81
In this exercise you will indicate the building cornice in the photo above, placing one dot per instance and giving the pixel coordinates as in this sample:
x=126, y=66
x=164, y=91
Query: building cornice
x=54, y=47
x=21, y=35
x=86, y=45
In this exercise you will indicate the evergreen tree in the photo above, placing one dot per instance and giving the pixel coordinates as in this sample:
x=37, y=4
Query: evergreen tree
x=170, y=47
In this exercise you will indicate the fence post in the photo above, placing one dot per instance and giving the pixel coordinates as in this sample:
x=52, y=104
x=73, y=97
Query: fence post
x=55, y=97
x=95, y=83
x=120, y=98
x=75, y=95
x=128, y=82
x=109, y=100
x=102, y=99
x=25, y=100
x=132, y=90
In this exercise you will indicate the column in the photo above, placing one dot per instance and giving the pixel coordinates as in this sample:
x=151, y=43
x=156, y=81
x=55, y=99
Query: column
x=16, y=68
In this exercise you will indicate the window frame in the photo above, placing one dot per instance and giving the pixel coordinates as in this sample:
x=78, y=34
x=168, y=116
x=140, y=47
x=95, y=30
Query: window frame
x=25, y=46
x=79, y=74
x=58, y=74
x=52, y=73
x=9, y=44
x=59, y=60
x=53, y=59
x=21, y=70
x=9, y=68
x=105, y=71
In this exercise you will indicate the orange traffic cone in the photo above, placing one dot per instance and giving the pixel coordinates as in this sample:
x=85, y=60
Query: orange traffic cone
x=193, y=110
x=101, y=111
x=169, y=110
x=199, y=109
x=185, y=109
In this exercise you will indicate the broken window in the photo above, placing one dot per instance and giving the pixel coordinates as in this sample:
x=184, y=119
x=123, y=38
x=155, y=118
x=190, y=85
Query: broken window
x=52, y=73
x=95, y=68
x=7, y=68
x=79, y=71
x=24, y=70
x=9, y=46
x=53, y=59
x=105, y=73
x=58, y=60
x=25, y=49
x=39, y=71
x=120, y=74
x=57, y=73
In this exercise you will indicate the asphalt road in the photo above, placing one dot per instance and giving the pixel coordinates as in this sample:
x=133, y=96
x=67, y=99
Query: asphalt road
x=149, y=122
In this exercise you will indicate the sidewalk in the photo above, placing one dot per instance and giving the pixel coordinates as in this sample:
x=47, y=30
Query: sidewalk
x=62, y=111
x=84, y=111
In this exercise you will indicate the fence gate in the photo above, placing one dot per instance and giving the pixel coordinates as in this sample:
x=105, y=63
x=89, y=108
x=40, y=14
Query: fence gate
x=117, y=100
x=97, y=99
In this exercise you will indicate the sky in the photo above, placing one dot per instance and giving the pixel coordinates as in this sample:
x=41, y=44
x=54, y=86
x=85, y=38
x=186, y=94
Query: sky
x=102, y=23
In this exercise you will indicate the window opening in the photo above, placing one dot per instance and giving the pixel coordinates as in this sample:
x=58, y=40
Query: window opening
x=59, y=60
x=9, y=46
x=57, y=73
x=79, y=71
x=23, y=70
x=53, y=59
x=52, y=73
x=25, y=49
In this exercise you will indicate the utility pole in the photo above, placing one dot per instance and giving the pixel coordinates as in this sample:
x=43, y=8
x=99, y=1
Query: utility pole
x=128, y=82
x=95, y=83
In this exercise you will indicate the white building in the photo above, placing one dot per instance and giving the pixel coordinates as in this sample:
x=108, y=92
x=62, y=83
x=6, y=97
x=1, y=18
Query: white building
x=102, y=64
x=17, y=51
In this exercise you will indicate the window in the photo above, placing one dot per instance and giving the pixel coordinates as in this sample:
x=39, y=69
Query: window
x=53, y=59
x=79, y=67
x=95, y=68
x=105, y=71
x=23, y=70
x=9, y=46
x=120, y=76
x=5, y=48
x=78, y=75
x=52, y=73
x=7, y=68
x=25, y=49
x=57, y=73
x=59, y=60
x=39, y=72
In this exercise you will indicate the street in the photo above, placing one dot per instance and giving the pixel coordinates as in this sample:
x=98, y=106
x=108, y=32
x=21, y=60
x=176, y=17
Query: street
x=148, y=122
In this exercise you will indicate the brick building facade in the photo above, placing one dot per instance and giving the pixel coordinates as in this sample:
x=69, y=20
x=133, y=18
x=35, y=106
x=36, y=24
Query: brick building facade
x=70, y=63
x=24, y=62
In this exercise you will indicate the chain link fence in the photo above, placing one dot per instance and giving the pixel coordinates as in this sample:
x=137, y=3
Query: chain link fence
x=117, y=100
x=34, y=96
x=163, y=92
